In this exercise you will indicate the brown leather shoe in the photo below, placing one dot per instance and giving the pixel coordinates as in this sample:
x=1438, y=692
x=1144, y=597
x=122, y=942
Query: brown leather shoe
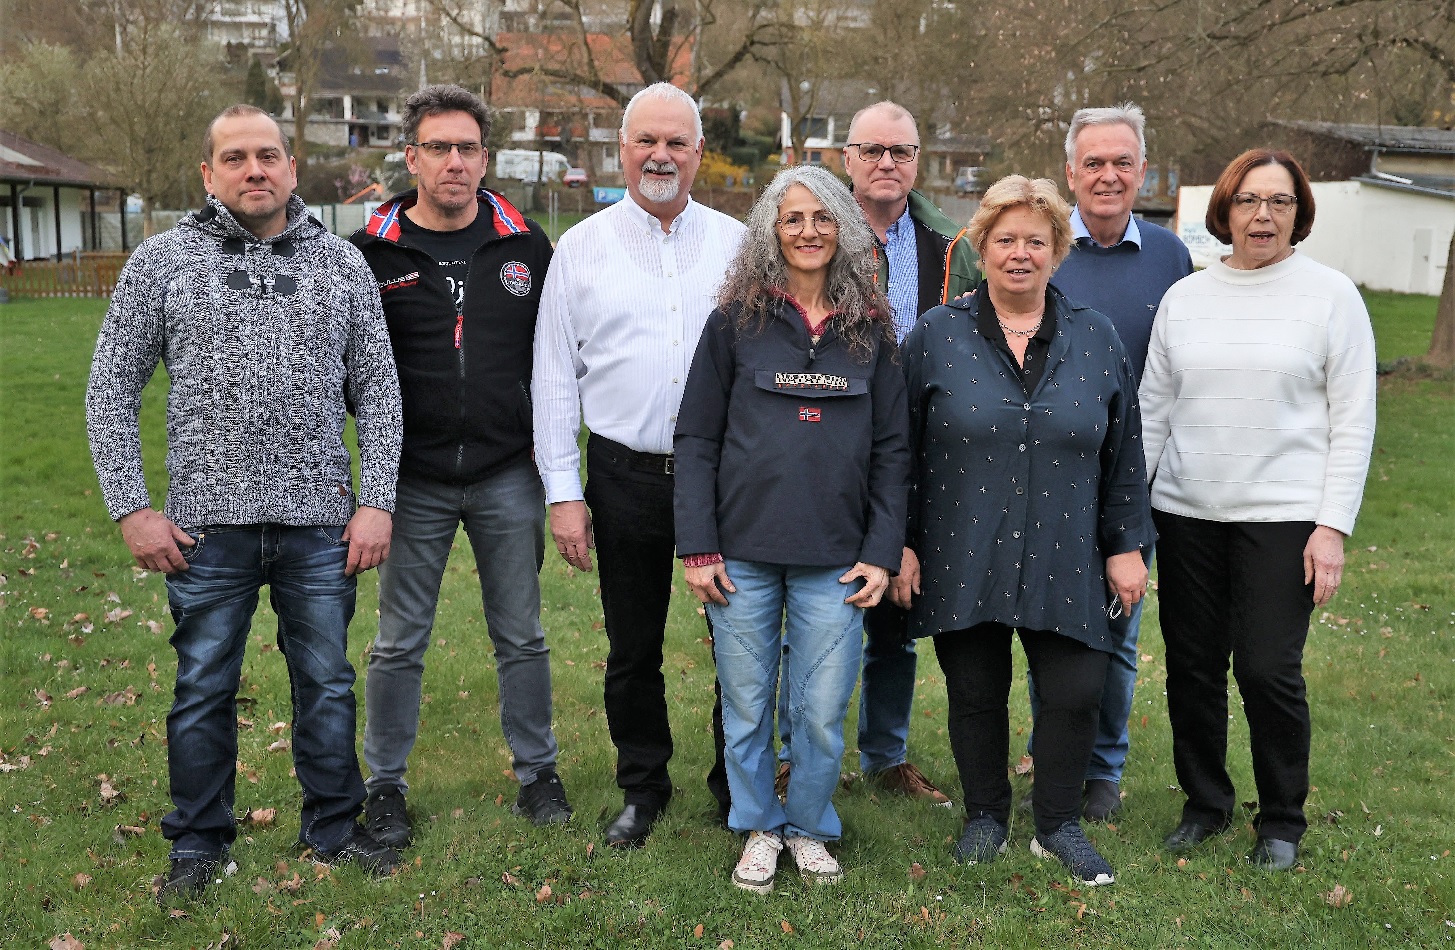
x=905, y=779
x=780, y=781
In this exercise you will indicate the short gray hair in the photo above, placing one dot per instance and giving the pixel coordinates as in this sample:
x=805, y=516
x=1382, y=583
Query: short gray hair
x=891, y=110
x=665, y=92
x=1128, y=113
x=440, y=98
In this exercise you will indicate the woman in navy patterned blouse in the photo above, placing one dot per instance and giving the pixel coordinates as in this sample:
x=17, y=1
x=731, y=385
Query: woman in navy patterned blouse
x=1028, y=513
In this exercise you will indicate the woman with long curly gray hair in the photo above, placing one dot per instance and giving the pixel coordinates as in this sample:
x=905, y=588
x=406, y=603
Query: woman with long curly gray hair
x=791, y=467
x=756, y=278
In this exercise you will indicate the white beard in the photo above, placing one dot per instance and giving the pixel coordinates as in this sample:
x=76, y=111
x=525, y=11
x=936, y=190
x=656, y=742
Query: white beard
x=660, y=191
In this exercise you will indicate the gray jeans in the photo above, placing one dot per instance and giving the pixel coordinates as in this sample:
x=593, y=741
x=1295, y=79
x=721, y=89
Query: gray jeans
x=504, y=519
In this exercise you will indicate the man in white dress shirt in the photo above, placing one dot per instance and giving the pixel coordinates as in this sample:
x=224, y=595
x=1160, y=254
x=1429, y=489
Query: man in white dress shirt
x=624, y=302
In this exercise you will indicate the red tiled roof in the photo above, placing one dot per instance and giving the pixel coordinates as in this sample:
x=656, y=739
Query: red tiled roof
x=614, y=63
x=45, y=164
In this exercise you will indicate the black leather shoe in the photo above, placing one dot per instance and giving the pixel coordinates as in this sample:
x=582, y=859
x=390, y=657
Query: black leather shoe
x=1273, y=855
x=1190, y=834
x=632, y=826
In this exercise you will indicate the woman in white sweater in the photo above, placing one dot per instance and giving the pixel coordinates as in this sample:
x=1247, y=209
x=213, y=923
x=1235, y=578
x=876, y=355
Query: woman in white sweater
x=1258, y=420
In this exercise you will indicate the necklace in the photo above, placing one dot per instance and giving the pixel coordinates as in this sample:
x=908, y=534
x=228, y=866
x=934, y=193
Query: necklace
x=1021, y=333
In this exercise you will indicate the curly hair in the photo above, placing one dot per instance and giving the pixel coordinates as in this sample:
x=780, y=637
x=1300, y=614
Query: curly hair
x=759, y=274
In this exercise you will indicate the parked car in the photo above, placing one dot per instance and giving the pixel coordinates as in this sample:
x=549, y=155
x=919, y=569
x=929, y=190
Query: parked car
x=574, y=177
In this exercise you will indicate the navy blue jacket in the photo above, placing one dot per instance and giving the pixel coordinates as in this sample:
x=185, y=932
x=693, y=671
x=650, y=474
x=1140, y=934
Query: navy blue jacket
x=790, y=452
x=1017, y=501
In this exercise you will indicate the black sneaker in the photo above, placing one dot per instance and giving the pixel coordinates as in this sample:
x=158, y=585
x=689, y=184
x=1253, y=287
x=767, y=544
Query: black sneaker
x=187, y=880
x=544, y=800
x=983, y=840
x=1068, y=845
x=386, y=819
x=359, y=847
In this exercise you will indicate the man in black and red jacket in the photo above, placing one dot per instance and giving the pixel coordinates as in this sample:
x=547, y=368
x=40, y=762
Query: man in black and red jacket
x=460, y=273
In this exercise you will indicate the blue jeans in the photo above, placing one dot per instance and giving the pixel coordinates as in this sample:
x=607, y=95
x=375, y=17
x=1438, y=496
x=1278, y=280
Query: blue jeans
x=1113, y=740
x=802, y=607
x=886, y=698
x=504, y=520
x=212, y=604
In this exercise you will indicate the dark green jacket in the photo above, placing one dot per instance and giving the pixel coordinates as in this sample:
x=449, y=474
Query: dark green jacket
x=946, y=259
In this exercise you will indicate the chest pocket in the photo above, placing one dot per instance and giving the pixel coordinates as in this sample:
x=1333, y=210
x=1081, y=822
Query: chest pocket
x=803, y=385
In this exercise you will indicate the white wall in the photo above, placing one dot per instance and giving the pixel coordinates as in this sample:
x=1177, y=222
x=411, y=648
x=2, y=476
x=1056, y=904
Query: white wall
x=1381, y=238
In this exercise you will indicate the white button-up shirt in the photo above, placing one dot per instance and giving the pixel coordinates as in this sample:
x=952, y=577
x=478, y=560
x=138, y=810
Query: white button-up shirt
x=621, y=310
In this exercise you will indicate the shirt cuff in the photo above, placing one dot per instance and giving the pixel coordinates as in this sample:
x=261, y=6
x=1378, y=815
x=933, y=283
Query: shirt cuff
x=562, y=486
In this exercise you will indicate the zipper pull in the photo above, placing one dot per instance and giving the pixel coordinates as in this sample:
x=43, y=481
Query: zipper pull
x=459, y=329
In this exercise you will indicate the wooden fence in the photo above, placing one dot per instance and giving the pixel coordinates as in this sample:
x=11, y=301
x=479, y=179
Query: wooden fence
x=89, y=274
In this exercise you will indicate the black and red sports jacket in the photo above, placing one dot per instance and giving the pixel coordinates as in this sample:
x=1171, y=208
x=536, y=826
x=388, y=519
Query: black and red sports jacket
x=465, y=377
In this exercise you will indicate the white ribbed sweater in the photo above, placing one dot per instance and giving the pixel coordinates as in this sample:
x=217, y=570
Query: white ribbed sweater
x=1258, y=396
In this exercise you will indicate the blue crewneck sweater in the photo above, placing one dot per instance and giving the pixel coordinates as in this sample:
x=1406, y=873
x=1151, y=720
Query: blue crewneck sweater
x=1126, y=282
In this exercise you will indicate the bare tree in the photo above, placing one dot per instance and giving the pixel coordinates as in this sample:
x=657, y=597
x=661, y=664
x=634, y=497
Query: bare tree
x=313, y=26
x=658, y=42
x=147, y=106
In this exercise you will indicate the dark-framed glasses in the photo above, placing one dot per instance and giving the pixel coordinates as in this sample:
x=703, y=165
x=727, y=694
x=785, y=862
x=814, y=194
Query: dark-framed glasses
x=873, y=151
x=468, y=150
x=1277, y=203
x=793, y=223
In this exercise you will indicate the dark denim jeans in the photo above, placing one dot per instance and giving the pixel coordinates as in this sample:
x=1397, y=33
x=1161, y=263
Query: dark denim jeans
x=212, y=604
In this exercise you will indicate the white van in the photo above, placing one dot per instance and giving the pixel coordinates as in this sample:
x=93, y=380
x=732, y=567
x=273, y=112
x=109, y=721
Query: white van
x=527, y=164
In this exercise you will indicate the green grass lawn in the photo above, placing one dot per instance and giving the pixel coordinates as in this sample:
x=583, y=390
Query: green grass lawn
x=85, y=681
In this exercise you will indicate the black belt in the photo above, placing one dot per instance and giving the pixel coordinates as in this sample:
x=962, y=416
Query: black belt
x=639, y=461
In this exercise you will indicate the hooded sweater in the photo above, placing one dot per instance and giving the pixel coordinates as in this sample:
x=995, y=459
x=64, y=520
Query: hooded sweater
x=268, y=345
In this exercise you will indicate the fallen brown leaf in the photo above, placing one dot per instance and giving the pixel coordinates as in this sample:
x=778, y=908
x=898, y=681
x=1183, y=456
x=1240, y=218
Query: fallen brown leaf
x=726, y=944
x=81, y=880
x=78, y=691
x=698, y=931
x=451, y=938
x=543, y=894
x=1340, y=896
x=787, y=927
x=1025, y=766
x=917, y=872
x=66, y=942
x=262, y=817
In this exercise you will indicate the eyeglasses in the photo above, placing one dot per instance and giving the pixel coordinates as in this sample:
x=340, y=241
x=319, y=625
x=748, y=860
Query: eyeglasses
x=1278, y=204
x=793, y=222
x=873, y=151
x=468, y=150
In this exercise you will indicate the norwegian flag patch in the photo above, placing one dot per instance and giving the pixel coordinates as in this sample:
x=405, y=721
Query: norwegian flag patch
x=808, y=414
x=515, y=276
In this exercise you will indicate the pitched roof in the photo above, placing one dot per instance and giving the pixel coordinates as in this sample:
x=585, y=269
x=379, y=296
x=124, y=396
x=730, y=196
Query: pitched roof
x=612, y=54
x=1388, y=138
x=24, y=160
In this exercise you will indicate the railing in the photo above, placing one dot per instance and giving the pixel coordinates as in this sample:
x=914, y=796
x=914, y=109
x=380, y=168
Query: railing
x=88, y=274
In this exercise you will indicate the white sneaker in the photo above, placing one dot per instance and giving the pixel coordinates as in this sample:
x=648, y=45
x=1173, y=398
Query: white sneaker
x=759, y=862
x=814, y=861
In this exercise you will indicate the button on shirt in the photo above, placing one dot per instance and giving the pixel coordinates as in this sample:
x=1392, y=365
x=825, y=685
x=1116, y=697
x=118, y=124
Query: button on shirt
x=901, y=251
x=621, y=311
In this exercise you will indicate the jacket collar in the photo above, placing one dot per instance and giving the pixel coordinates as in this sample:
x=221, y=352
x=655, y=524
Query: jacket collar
x=384, y=222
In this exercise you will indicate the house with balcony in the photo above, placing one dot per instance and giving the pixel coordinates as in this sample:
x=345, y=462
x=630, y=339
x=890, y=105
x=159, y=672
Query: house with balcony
x=357, y=100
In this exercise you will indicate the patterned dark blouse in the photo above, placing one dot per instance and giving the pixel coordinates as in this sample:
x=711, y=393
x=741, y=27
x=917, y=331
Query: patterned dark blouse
x=1016, y=501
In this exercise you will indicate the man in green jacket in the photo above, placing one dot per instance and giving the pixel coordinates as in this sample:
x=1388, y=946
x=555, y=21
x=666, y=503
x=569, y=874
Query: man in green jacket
x=925, y=259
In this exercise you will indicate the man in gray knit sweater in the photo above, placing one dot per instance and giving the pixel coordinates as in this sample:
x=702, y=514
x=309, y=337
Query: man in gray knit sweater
x=271, y=332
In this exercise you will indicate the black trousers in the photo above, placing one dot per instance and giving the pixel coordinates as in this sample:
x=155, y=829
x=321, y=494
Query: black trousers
x=1070, y=674
x=631, y=514
x=1236, y=590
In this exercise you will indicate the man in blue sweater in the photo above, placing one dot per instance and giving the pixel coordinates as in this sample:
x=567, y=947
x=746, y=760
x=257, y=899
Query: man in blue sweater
x=1121, y=267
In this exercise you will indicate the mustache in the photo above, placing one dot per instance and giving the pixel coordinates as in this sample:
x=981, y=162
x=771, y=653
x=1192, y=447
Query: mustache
x=660, y=168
